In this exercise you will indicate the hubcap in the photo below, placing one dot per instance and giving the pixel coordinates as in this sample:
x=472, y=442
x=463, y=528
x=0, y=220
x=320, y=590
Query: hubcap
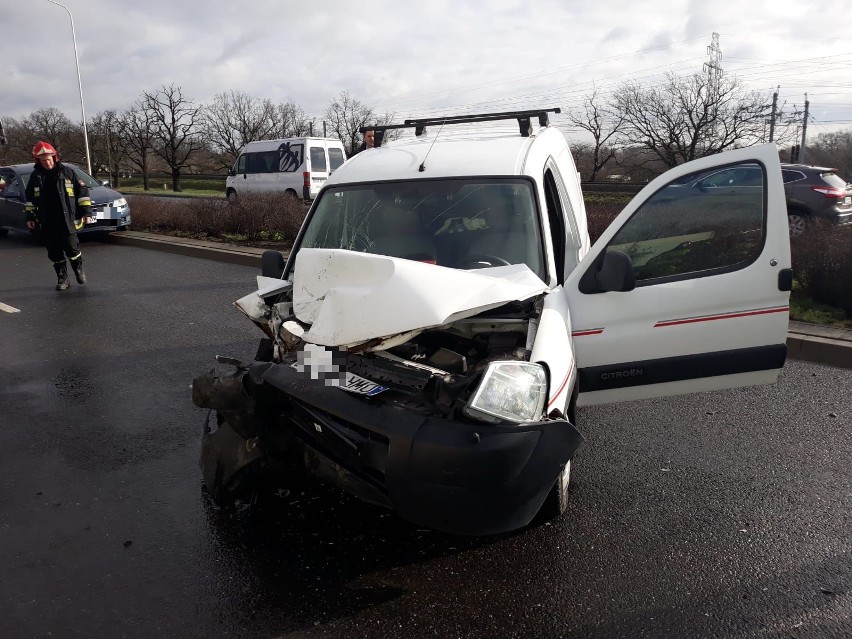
x=796, y=224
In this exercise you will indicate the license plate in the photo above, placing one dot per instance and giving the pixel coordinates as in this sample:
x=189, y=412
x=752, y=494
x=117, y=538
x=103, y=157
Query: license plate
x=361, y=386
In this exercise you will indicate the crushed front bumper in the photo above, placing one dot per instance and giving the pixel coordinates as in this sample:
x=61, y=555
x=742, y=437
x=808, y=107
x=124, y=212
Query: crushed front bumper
x=462, y=478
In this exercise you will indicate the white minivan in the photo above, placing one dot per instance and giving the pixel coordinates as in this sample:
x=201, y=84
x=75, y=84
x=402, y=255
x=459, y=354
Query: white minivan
x=295, y=166
x=442, y=314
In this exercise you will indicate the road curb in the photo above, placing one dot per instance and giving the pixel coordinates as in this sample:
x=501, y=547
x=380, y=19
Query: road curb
x=807, y=342
x=230, y=253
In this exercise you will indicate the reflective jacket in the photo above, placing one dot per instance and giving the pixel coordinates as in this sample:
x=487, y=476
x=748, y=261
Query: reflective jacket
x=73, y=195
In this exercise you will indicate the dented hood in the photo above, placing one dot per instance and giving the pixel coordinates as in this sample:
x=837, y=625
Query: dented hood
x=349, y=297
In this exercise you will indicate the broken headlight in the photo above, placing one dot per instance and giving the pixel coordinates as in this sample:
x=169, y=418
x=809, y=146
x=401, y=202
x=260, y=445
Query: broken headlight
x=514, y=391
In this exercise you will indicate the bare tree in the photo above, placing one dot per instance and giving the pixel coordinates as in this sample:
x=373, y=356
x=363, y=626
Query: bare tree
x=833, y=150
x=688, y=117
x=136, y=129
x=175, y=122
x=346, y=115
x=292, y=120
x=234, y=119
x=19, y=143
x=51, y=125
x=603, y=122
x=108, y=144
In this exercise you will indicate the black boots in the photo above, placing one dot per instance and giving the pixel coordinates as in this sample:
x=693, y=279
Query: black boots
x=77, y=265
x=62, y=273
x=61, y=276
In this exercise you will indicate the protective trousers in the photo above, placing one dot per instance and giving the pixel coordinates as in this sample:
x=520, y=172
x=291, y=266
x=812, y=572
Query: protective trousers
x=61, y=244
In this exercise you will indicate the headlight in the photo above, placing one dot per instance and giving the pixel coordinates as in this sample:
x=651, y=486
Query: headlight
x=514, y=391
x=120, y=202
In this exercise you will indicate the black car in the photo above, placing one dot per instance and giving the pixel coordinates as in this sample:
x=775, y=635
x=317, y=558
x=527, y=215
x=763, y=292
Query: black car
x=109, y=207
x=815, y=192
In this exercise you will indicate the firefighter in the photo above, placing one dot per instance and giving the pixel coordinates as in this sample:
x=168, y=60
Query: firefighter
x=58, y=203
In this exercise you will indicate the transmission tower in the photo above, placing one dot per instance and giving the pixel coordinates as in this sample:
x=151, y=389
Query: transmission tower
x=713, y=67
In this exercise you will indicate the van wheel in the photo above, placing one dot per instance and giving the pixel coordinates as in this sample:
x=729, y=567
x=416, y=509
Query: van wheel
x=230, y=195
x=556, y=502
x=290, y=194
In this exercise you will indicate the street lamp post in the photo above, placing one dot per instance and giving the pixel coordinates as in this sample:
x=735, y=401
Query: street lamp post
x=79, y=84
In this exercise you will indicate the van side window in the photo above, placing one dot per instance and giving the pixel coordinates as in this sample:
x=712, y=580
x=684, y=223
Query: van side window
x=702, y=224
x=335, y=158
x=292, y=156
x=241, y=164
x=318, y=162
x=556, y=219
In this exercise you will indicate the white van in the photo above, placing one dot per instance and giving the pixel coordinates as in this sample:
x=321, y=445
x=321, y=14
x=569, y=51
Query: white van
x=443, y=313
x=295, y=166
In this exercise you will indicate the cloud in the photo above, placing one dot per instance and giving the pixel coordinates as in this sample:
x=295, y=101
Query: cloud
x=408, y=58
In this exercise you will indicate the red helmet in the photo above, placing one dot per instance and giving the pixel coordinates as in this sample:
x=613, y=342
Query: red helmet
x=44, y=148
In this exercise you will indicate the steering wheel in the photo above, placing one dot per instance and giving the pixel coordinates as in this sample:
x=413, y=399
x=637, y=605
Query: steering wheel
x=482, y=260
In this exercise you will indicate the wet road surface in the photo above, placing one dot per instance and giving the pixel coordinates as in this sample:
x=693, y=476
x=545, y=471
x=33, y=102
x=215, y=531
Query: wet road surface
x=719, y=514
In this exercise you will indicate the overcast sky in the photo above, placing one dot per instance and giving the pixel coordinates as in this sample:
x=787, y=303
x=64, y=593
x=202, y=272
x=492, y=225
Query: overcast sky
x=430, y=57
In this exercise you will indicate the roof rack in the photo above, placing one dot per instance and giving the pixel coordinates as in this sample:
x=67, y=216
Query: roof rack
x=419, y=124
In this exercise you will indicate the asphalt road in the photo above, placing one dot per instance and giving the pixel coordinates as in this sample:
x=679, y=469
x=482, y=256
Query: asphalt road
x=711, y=515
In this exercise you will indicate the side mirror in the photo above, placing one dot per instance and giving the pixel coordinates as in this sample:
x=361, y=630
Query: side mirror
x=106, y=183
x=232, y=171
x=272, y=264
x=614, y=272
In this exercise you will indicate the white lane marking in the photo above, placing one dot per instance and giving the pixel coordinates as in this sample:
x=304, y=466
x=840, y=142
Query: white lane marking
x=8, y=309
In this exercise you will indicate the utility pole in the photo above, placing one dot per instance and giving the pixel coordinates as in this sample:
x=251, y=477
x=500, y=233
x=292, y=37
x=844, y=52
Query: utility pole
x=804, y=132
x=774, y=111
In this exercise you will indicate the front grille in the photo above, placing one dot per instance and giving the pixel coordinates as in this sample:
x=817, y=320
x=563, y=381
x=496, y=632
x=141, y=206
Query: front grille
x=361, y=451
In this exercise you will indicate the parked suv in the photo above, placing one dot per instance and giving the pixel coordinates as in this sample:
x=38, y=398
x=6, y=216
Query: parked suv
x=442, y=314
x=815, y=192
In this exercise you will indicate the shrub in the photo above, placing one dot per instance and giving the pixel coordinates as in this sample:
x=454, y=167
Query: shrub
x=822, y=264
x=600, y=214
x=252, y=218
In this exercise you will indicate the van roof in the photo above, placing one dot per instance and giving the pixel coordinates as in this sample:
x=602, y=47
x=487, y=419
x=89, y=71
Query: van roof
x=274, y=144
x=452, y=152
x=443, y=155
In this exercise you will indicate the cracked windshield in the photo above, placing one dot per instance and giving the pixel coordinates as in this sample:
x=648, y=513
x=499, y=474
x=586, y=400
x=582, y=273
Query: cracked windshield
x=455, y=223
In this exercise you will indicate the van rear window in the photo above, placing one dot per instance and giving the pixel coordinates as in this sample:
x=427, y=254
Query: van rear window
x=335, y=158
x=318, y=162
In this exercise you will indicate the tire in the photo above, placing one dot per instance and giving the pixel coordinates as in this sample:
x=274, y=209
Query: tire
x=290, y=194
x=228, y=468
x=556, y=502
x=231, y=195
x=797, y=221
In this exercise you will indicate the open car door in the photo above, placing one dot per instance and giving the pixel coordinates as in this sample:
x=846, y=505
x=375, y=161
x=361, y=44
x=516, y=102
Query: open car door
x=688, y=289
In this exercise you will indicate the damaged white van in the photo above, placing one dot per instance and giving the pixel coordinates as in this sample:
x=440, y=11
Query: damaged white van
x=442, y=315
